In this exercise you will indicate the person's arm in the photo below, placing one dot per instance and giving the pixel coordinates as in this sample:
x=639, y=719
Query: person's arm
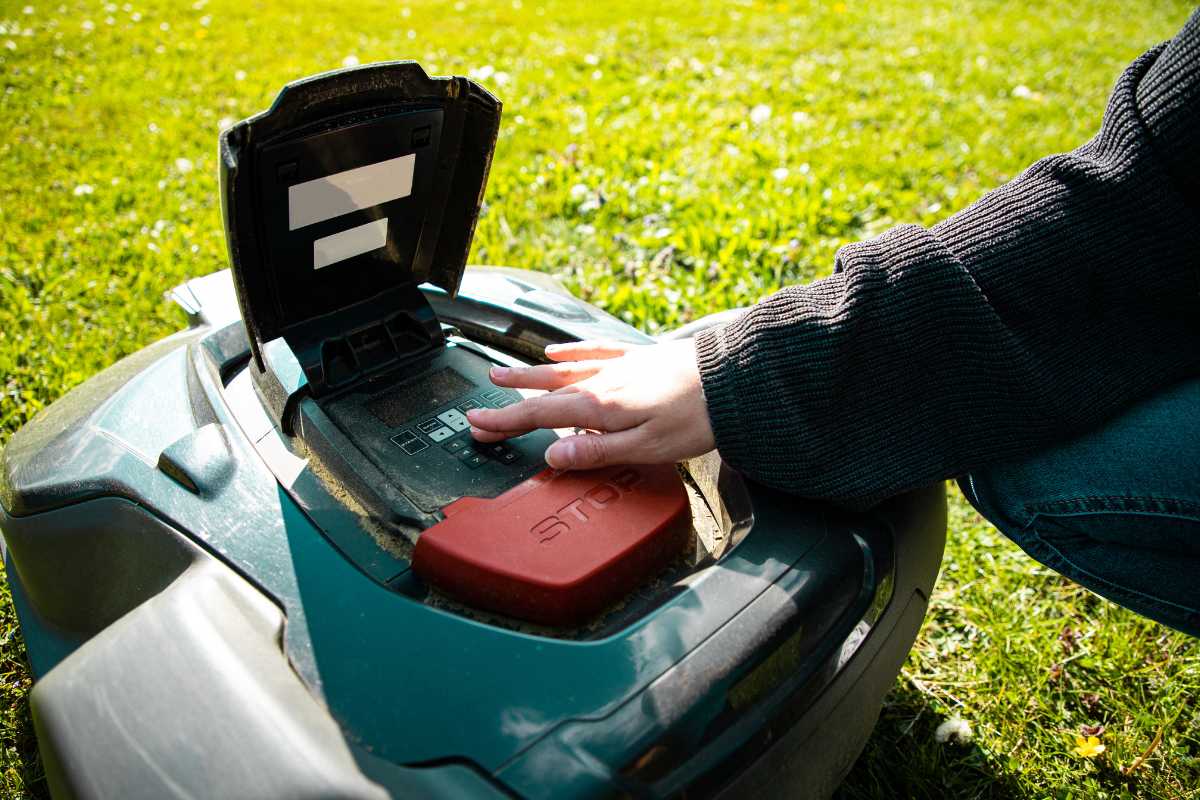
x=1040, y=310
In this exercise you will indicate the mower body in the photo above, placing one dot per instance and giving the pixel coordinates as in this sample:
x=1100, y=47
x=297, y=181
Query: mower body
x=194, y=632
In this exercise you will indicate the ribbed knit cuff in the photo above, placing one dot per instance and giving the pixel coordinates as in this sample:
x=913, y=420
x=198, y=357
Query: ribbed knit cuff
x=719, y=379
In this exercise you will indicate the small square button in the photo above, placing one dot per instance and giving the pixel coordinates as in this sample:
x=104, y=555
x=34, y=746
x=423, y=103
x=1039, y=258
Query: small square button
x=429, y=426
x=408, y=441
x=413, y=446
x=441, y=434
x=509, y=457
x=496, y=450
x=471, y=458
x=468, y=405
x=454, y=419
x=457, y=444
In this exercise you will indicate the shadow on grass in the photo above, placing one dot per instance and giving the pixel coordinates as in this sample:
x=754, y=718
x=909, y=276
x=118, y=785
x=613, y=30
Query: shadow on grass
x=903, y=759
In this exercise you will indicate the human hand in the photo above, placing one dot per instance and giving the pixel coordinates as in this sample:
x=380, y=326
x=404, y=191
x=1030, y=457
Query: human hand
x=645, y=402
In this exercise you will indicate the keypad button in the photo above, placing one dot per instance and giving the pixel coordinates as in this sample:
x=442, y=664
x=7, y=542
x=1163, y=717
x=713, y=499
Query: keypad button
x=507, y=400
x=429, y=426
x=457, y=444
x=454, y=419
x=449, y=416
x=468, y=405
x=441, y=434
x=413, y=446
x=509, y=457
x=471, y=458
x=494, y=396
x=496, y=450
x=409, y=442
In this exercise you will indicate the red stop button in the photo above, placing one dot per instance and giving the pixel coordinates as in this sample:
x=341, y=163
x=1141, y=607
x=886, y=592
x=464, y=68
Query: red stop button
x=560, y=546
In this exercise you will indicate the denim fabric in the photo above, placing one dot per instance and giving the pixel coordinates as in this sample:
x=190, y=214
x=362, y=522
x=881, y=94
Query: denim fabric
x=1117, y=510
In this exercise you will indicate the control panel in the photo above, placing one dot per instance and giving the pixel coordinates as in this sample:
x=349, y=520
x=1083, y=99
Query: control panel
x=416, y=431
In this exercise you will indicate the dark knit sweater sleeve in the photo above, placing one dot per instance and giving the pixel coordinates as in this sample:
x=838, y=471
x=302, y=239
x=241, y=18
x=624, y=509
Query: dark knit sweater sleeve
x=1039, y=311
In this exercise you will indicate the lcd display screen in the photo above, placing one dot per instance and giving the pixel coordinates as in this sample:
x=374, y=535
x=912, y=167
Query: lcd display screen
x=404, y=402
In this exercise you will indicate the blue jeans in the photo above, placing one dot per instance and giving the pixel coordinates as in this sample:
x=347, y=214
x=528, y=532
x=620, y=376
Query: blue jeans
x=1116, y=510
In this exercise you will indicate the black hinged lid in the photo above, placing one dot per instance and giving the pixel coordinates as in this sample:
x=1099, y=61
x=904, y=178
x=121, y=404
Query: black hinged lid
x=352, y=189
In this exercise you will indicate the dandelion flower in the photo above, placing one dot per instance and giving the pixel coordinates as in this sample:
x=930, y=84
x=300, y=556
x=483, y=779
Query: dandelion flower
x=1087, y=748
x=955, y=729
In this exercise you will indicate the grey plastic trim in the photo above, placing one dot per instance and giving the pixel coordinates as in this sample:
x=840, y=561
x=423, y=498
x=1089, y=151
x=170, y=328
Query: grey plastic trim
x=179, y=688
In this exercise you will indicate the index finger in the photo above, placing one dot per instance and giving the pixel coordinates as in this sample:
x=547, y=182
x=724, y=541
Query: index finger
x=567, y=410
x=593, y=348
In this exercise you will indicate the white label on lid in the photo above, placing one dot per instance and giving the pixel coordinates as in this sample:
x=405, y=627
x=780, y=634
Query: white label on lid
x=353, y=190
x=348, y=243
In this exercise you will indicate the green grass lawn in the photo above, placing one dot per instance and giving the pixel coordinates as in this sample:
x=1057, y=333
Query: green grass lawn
x=666, y=159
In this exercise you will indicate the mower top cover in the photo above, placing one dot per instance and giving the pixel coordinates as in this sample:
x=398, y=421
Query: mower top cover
x=351, y=191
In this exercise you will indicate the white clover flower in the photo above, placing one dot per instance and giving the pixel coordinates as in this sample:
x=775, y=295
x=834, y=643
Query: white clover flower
x=27, y=10
x=240, y=75
x=483, y=73
x=501, y=78
x=760, y=114
x=780, y=173
x=579, y=191
x=84, y=188
x=1022, y=91
x=88, y=25
x=955, y=729
x=184, y=165
x=349, y=61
